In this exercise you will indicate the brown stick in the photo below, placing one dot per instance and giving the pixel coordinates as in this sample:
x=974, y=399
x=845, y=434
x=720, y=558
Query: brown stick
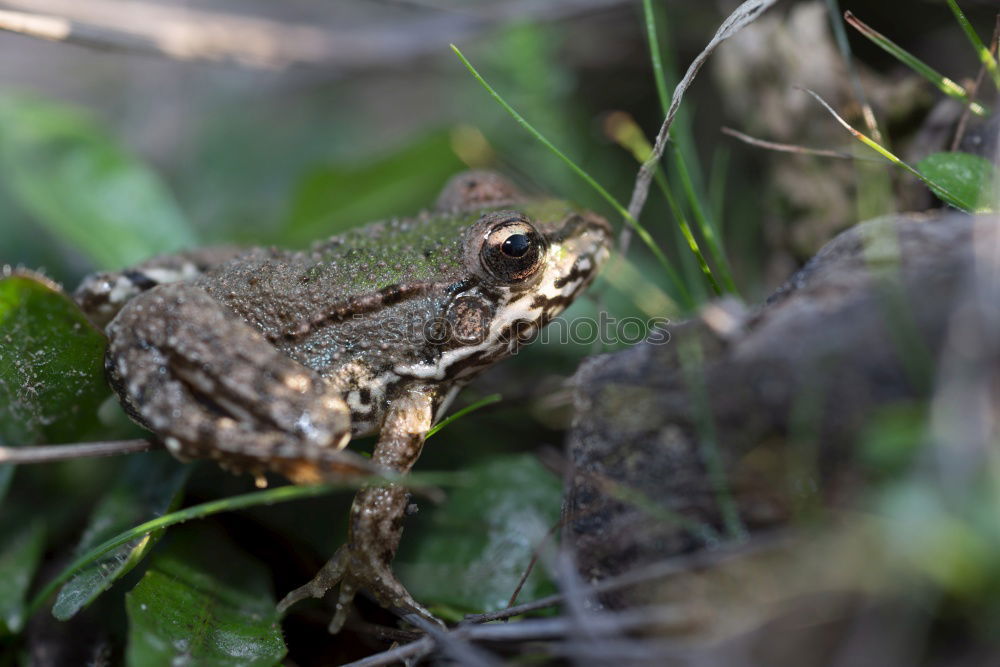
x=51, y=453
x=792, y=148
x=534, y=630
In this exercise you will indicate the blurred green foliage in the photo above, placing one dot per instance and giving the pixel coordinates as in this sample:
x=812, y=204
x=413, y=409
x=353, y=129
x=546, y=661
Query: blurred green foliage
x=150, y=486
x=21, y=545
x=203, y=601
x=470, y=555
x=72, y=177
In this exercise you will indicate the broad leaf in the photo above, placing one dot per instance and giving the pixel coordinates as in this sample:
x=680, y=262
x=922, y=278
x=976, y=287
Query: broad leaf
x=967, y=177
x=151, y=486
x=333, y=198
x=203, y=602
x=51, y=364
x=71, y=176
x=21, y=545
x=481, y=540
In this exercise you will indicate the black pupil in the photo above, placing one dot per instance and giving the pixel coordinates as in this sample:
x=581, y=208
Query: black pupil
x=516, y=245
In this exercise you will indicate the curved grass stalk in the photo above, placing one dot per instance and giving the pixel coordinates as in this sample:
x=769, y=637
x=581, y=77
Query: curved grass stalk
x=682, y=291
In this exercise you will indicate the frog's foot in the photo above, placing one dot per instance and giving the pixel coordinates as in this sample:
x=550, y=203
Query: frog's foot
x=352, y=574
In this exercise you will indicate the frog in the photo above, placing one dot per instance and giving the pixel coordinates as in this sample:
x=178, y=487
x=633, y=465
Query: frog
x=269, y=360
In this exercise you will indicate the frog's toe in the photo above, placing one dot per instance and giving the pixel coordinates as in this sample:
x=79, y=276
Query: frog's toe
x=391, y=595
x=380, y=583
x=331, y=575
x=324, y=581
x=344, y=599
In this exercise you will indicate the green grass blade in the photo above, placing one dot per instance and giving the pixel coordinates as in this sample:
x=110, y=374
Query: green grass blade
x=844, y=46
x=705, y=226
x=682, y=291
x=685, y=228
x=717, y=181
x=269, y=497
x=627, y=134
x=654, y=53
x=281, y=494
x=481, y=403
x=874, y=145
x=943, y=83
x=984, y=52
x=692, y=366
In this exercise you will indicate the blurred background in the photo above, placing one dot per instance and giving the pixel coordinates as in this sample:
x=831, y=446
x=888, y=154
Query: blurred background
x=258, y=122
x=289, y=121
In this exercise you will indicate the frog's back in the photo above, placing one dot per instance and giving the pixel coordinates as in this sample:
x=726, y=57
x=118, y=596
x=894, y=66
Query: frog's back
x=279, y=290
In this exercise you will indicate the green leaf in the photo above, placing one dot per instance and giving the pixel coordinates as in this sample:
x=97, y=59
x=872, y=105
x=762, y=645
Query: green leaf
x=203, y=602
x=68, y=173
x=968, y=177
x=21, y=545
x=51, y=364
x=481, y=540
x=151, y=486
x=333, y=198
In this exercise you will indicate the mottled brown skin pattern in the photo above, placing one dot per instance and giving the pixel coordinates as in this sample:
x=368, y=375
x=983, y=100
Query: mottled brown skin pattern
x=271, y=360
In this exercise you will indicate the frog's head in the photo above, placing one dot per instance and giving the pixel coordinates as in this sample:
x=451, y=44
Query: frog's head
x=526, y=260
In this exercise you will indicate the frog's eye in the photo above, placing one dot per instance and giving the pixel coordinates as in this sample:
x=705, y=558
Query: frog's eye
x=512, y=250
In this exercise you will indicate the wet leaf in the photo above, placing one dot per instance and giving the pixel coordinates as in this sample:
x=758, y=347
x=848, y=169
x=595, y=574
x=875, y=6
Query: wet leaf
x=71, y=176
x=151, y=486
x=203, y=602
x=333, y=198
x=968, y=178
x=481, y=540
x=21, y=545
x=51, y=364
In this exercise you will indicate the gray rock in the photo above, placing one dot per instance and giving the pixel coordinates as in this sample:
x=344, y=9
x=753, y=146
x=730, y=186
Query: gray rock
x=745, y=420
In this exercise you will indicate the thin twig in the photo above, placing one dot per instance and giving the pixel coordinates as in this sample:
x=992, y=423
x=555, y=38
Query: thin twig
x=580, y=604
x=963, y=121
x=939, y=190
x=380, y=632
x=51, y=453
x=413, y=650
x=666, y=568
x=190, y=34
x=537, y=629
x=452, y=644
x=792, y=148
x=746, y=13
x=535, y=555
x=472, y=629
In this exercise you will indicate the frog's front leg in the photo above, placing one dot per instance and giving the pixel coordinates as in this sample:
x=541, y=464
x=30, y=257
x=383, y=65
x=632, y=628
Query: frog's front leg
x=376, y=521
x=210, y=386
x=102, y=295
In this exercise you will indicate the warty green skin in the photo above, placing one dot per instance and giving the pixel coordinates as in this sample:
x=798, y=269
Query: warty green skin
x=271, y=360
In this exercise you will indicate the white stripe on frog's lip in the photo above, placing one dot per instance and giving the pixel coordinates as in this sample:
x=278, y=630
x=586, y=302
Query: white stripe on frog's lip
x=529, y=306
